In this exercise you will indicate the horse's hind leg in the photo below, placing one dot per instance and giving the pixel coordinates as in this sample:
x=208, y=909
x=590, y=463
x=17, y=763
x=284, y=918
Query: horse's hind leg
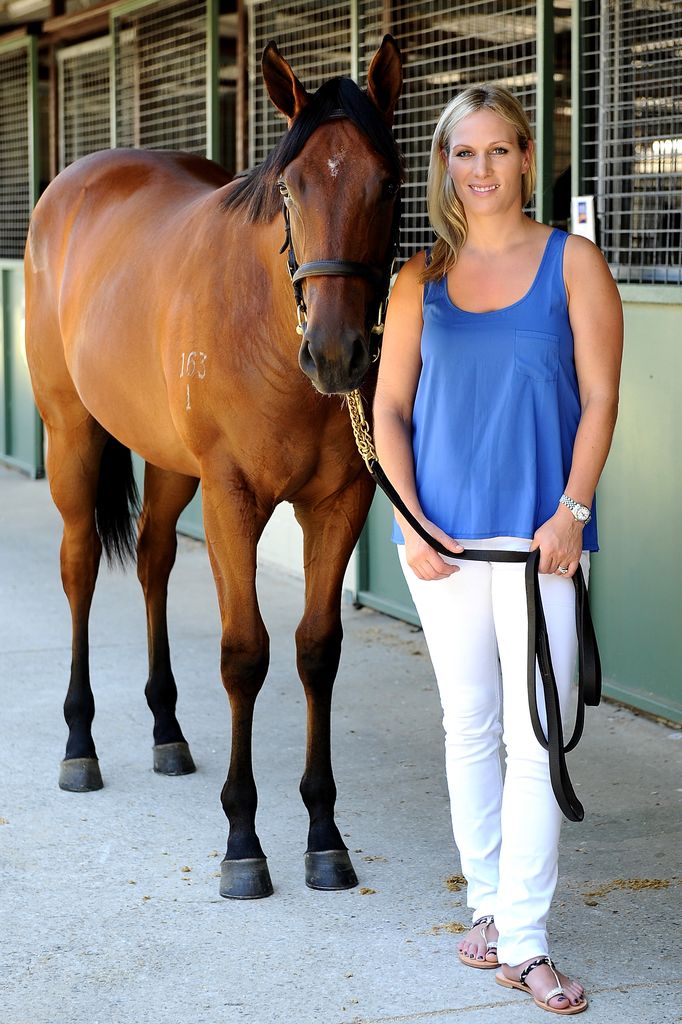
x=165, y=496
x=74, y=454
x=330, y=532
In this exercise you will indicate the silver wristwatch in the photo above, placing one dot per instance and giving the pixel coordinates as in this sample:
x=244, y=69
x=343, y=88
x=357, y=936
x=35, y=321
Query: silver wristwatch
x=581, y=513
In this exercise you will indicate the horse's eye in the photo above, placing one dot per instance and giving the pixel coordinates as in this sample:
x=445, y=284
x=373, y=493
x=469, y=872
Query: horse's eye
x=391, y=189
x=281, y=185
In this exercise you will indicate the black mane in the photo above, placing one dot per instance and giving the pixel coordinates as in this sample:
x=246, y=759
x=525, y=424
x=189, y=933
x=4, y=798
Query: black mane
x=258, y=193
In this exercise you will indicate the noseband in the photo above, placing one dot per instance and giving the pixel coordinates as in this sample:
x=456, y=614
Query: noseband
x=380, y=277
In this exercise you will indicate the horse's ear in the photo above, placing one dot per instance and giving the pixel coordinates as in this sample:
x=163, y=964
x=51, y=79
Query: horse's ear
x=284, y=88
x=385, y=77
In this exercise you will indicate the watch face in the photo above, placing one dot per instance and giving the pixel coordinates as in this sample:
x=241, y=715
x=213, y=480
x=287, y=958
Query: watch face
x=582, y=513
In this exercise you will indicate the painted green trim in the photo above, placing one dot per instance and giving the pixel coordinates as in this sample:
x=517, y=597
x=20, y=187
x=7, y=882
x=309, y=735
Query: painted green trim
x=33, y=123
x=576, y=102
x=666, y=294
x=10, y=264
x=212, y=81
x=634, y=699
x=16, y=44
x=544, y=127
x=6, y=362
x=113, y=36
x=388, y=607
x=354, y=41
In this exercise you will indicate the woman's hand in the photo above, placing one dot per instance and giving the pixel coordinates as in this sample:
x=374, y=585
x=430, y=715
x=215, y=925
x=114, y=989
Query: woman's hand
x=560, y=540
x=424, y=562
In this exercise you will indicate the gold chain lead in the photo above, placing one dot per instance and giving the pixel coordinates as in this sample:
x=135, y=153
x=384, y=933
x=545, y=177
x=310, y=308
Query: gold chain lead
x=361, y=431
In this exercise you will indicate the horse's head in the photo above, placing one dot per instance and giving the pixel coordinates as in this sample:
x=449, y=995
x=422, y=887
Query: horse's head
x=339, y=172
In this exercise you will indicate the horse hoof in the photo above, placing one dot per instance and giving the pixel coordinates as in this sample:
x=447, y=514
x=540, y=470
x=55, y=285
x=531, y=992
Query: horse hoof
x=80, y=775
x=247, y=879
x=173, y=759
x=329, y=869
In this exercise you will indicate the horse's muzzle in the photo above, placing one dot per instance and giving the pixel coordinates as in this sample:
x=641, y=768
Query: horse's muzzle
x=335, y=365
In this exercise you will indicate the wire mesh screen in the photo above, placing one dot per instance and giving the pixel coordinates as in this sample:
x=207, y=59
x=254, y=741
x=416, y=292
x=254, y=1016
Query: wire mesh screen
x=161, y=69
x=15, y=188
x=84, y=121
x=446, y=46
x=563, y=114
x=314, y=37
x=632, y=145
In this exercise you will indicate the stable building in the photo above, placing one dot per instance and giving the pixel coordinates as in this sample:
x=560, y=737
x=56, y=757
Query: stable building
x=602, y=81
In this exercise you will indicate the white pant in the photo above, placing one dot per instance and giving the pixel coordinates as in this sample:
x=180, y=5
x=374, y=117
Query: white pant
x=476, y=627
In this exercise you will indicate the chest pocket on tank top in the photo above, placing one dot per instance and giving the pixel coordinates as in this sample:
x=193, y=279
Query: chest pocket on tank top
x=536, y=355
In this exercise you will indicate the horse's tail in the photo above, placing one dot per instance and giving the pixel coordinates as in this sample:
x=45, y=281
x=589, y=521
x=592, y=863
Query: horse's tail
x=118, y=504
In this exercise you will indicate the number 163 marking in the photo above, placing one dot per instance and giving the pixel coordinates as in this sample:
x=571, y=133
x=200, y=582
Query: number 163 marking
x=194, y=365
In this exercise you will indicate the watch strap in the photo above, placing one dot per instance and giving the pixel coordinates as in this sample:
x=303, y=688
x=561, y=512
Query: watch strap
x=576, y=507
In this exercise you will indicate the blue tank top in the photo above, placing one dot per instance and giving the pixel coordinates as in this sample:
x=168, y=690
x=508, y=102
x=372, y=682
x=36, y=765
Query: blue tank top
x=497, y=409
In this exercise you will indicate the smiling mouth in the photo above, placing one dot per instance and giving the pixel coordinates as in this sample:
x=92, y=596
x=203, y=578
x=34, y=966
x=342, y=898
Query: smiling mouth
x=482, y=189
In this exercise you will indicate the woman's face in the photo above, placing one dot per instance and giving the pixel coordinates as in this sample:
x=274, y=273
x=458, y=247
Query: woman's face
x=485, y=163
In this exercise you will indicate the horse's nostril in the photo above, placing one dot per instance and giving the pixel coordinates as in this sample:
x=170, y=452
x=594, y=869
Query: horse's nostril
x=359, y=360
x=306, y=360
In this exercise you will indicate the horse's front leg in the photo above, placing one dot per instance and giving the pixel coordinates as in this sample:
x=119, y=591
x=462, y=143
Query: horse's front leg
x=234, y=521
x=165, y=496
x=330, y=532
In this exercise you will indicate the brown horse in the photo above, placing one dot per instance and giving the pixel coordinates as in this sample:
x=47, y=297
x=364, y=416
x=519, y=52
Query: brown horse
x=161, y=318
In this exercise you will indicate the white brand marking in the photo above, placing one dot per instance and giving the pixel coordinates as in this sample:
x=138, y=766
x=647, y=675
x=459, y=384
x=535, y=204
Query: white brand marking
x=192, y=364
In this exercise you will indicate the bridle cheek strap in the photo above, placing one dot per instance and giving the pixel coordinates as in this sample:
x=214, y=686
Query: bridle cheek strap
x=378, y=276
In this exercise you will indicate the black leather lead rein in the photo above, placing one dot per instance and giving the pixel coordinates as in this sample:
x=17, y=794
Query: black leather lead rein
x=589, y=665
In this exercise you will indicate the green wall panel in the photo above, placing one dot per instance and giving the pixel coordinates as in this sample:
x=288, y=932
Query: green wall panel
x=191, y=521
x=21, y=432
x=381, y=583
x=636, y=584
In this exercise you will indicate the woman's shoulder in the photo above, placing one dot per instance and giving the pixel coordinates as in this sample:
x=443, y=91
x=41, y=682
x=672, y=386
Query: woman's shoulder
x=409, y=278
x=583, y=262
x=413, y=268
x=580, y=251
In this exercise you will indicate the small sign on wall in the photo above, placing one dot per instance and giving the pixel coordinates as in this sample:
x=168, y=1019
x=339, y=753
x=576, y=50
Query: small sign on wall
x=582, y=217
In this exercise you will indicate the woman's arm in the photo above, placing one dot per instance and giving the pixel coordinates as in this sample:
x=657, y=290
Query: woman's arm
x=399, y=371
x=596, y=316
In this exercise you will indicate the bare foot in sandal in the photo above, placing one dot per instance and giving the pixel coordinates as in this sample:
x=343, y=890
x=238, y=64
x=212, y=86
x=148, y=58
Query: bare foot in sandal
x=551, y=990
x=478, y=948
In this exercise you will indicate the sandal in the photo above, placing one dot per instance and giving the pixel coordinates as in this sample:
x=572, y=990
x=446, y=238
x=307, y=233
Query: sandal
x=490, y=947
x=543, y=1004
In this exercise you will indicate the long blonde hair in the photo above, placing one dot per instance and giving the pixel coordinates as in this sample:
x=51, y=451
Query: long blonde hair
x=446, y=212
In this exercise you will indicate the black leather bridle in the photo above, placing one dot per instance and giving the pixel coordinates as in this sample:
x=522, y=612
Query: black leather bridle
x=380, y=277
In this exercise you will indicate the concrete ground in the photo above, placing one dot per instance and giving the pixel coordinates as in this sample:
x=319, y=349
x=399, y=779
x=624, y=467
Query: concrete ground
x=110, y=908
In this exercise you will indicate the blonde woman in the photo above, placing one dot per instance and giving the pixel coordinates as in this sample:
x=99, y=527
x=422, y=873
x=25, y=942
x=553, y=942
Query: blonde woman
x=494, y=412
